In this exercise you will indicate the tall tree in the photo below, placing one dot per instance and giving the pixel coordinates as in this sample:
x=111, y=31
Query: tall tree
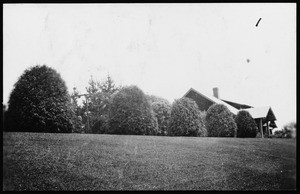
x=40, y=102
x=79, y=127
x=99, y=99
x=108, y=86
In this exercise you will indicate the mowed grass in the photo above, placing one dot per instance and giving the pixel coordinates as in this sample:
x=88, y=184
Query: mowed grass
x=43, y=161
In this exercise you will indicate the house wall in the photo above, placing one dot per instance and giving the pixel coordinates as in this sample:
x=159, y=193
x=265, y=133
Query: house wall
x=202, y=102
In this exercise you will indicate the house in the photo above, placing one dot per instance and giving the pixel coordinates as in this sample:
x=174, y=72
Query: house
x=263, y=116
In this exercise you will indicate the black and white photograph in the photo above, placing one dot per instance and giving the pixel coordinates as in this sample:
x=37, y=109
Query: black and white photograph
x=149, y=96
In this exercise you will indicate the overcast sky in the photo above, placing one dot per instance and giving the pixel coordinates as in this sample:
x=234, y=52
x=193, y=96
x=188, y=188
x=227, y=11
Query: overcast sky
x=165, y=49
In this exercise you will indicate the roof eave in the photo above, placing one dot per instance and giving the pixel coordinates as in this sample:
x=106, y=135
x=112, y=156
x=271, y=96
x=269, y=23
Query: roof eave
x=234, y=110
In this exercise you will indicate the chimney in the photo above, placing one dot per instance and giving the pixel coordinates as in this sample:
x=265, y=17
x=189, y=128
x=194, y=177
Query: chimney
x=216, y=92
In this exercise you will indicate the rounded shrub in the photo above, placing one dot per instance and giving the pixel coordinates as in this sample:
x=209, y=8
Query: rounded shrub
x=162, y=111
x=246, y=126
x=40, y=102
x=220, y=122
x=131, y=113
x=185, y=119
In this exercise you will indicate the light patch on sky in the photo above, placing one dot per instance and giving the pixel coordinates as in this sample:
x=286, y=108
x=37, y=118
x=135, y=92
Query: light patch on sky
x=165, y=49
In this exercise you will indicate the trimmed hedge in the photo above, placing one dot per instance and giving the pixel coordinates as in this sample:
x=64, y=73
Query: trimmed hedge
x=131, y=113
x=246, y=126
x=162, y=111
x=185, y=119
x=40, y=102
x=220, y=122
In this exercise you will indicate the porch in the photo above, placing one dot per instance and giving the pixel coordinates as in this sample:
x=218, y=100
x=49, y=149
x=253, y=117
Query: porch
x=264, y=118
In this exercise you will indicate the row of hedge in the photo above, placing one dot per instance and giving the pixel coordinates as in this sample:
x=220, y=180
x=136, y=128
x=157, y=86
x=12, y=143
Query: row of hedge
x=133, y=112
x=40, y=102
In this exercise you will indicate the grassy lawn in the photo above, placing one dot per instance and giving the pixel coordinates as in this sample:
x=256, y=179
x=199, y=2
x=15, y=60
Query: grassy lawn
x=41, y=161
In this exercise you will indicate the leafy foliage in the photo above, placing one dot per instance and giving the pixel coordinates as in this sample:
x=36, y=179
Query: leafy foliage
x=289, y=131
x=185, y=119
x=219, y=122
x=246, y=126
x=101, y=126
x=98, y=102
x=162, y=111
x=78, y=125
x=100, y=98
x=40, y=102
x=153, y=98
x=130, y=113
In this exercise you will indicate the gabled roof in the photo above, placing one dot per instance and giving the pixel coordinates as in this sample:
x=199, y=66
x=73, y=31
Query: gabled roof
x=262, y=112
x=237, y=105
x=214, y=100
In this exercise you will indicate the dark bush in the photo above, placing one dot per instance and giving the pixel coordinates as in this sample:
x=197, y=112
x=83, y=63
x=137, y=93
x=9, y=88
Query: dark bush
x=185, y=119
x=219, y=122
x=258, y=135
x=101, y=126
x=288, y=131
x=279, y=134
x=269, y=136
x=246, y=126
x=131, y=113
x=40, y=102
x=162, y=111
x=4, y=116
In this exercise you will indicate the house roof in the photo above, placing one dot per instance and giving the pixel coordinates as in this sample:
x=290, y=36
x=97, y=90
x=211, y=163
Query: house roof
x=214, y=100
x=237, y=105
x=262, y=112
x=258, y=112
